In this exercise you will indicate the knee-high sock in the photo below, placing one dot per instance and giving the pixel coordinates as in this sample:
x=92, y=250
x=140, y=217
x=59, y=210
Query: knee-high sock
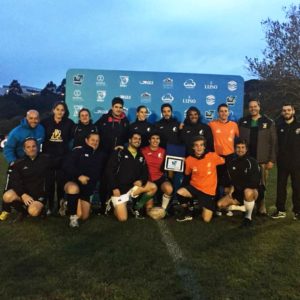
x=165, y=201
x=249, y=205
x=72, y=200
x=6, y=207
x=142, y=201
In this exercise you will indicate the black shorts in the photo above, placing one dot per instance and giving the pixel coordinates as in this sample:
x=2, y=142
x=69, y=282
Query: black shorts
x=238, y=195
x=161, y=180
x=85, y=190
x=204, y=200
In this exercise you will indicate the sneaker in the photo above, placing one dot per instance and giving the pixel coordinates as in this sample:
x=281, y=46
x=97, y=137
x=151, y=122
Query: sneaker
x=184, y=218
x=237, y=207
x=229, y=213
x=138, y=215
x=297, y=216
x=74, y=221
x=278, y=215
x=62, y=207
x=218, y=213
x=4, y=215
x=247, y=223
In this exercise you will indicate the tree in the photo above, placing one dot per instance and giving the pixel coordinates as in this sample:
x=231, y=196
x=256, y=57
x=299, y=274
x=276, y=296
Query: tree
x=281, y=62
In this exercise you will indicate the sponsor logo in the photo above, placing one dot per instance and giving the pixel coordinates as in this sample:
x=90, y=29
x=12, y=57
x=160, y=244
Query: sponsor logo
x=210, y=86
x=149, y=112
x=168, y=83
x=210, y=100
x=146, y=82
x=100, y=110
x=232, y=85
x=77, y=108
x=230, y=100
x=189, y=84
x=100, y=80
x=209, y=114
x=78, y=79
x=167, y=98
x=101, y=94
x=189, y=100
x=145, y=97
x=124, y=81
x=77, y=95
x=125, y=109
x=125, y=97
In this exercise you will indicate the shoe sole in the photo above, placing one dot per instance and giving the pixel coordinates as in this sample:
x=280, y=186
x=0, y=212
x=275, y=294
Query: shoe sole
x=281, y=217
x=184, y=220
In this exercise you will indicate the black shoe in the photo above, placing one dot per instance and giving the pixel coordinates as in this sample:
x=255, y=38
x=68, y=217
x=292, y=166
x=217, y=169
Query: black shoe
x=19, y=218
x=247, y=223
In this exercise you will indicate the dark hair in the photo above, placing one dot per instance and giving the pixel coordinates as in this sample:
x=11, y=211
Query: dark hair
x=222, y=105
x=240, y=141
x=256, y=100
x=198, y=138
x=63, y=103
x=132, y=133
x=288, y=104
x=30, y=138
x=152, y=133
x=92, y=133
x=166, y=105
x=117, y=100
x=140, y=107
x=84, y=109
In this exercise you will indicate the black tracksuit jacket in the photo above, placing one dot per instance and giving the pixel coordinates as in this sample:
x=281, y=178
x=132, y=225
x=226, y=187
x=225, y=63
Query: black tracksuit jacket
x=168, y=131
x=144, y=128
x=81, y=131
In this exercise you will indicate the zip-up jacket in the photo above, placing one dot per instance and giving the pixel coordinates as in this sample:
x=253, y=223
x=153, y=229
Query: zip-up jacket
x=289, y=145
x=28, y=176
x=13, y=148
x=244, y=172
x=58, y=136
x=84, y=160
x=266, y=139
x=113, y=131
x=81, y=131
x=123, y=169
x=168, y=131
x=143, y=128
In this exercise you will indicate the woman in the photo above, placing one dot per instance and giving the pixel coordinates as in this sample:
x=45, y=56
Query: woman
x=141, y=125
x=58, y=134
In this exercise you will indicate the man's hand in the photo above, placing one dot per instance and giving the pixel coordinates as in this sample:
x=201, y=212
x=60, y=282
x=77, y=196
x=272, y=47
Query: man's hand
x=138, y=183
x=83, y=179
x=27, y=199
x=269, y=165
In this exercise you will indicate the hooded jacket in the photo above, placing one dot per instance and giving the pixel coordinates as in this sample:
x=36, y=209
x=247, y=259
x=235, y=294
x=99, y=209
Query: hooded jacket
x=168, y=131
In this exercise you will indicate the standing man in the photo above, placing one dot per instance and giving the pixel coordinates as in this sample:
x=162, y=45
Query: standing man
x=288, y=161
x=25, y=187
x=14, y=149
x=127, y=176
x=260, y=133
x=244, y=175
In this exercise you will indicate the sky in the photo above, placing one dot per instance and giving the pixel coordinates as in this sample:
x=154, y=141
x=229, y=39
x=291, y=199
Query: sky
x=41, y=39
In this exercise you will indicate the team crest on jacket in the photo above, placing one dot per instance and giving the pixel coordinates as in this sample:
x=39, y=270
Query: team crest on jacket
x=175, y=129
x=141, y=159
x=297, y=131
x=201, y=132
x=265, y=125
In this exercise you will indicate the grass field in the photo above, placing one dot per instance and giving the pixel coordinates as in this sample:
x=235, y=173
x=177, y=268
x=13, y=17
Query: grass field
x=143, y=259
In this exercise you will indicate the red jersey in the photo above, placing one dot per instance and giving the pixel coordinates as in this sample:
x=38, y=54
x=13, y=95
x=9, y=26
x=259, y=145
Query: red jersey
x=154, y=161
x=204, y=172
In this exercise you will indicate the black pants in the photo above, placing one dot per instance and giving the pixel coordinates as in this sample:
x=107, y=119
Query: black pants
x=282, y=177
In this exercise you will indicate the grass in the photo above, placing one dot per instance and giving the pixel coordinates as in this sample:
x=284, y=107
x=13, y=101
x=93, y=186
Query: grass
x=103, y=259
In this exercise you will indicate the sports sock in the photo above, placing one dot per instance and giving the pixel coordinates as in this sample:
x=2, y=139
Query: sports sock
x=236, y=207
x=249, y=205
x=165, y=201
x=6, y=207
x=142, y=201
x=72, y=200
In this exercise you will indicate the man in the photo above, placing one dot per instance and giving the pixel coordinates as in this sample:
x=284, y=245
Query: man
x=167, y=127
x=224, y=133
x=201, y=167
x=113, y=127
x=260, y=133
x=14, y=149
x=155, y=158
x=25, y=188
x=127, y=176
x=288, y=161
x=192, y=126
x=244, y=175
x=83, y=169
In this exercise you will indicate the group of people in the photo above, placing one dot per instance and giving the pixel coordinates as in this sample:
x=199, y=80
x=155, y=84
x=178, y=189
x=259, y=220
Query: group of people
x=226, y=164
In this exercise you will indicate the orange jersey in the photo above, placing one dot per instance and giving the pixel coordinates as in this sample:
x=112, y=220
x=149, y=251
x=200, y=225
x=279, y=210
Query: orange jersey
x=204, y=172
x=224, y=134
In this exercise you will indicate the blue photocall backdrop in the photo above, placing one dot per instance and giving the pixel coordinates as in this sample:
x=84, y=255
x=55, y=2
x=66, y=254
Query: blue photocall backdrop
x=94, y=89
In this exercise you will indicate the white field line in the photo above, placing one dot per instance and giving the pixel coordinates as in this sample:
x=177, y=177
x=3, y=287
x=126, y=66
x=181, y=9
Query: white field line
x=190, y=284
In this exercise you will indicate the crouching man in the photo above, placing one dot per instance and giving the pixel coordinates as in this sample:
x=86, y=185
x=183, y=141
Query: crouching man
x=127, y=176
x=82, y=169
x=25, y=186
x=200, y=182
x=245, y=177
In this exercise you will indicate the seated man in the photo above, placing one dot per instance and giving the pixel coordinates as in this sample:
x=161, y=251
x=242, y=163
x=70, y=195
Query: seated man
x=244, y=173
x=82, y=169
x=201, y=167
x=155, y=158
x=127, y=176
x=25, y=188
